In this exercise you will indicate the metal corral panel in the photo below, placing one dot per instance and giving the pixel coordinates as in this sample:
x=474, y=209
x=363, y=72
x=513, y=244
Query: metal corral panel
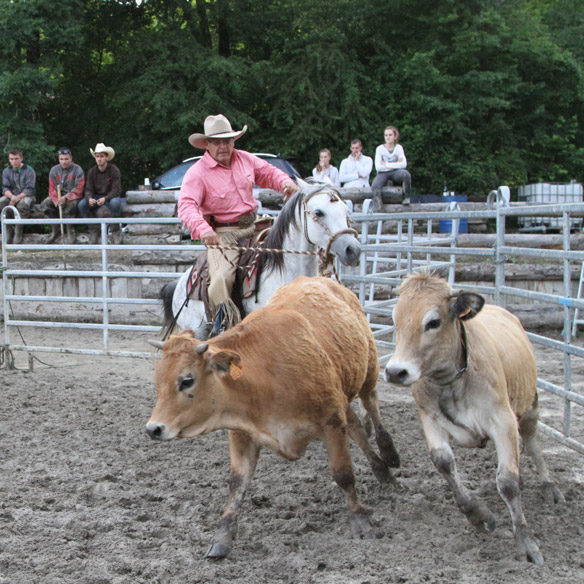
x=550, y=193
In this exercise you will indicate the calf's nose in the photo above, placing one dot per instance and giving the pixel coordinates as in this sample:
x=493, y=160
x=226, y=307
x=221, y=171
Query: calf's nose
x=396, y=374
x=155, y=431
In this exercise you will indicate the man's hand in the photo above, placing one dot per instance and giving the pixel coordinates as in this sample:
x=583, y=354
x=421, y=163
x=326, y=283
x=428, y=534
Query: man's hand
x=289, y=187
x=96, y=202
x=61, y=202
x=210, y=238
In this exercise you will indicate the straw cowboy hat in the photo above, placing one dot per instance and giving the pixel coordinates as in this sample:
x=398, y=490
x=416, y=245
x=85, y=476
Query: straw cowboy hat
x=101, y=148
x=215, y=127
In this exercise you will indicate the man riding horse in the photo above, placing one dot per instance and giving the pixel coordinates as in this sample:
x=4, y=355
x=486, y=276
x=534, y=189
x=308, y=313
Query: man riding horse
x=217, y=206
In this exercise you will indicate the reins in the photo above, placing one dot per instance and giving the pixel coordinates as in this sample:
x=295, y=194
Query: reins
x=326, y=259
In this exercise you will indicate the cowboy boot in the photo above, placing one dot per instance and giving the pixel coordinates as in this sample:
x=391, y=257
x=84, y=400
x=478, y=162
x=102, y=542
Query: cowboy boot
x=116, y=234
x=54, y=234
x=376, y=201
x=94, y=233
x=218, y=325
x=9, y=233
x=18, y=235
x=70, y=238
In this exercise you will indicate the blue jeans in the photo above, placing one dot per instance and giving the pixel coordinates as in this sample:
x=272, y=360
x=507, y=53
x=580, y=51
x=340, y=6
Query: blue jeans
x=111, y=208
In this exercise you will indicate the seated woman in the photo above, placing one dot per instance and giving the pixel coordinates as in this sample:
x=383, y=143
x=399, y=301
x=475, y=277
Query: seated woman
x=390, y=163
x=324, y=171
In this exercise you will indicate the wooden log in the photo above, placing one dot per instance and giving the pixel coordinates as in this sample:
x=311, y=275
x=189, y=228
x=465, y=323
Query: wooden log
x=149, y=210
x=543, y=241
x=153, y=229
x=170, y=258
x=149, y=197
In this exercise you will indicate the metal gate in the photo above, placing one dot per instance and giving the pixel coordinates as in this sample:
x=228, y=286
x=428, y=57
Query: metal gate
x=387, y=257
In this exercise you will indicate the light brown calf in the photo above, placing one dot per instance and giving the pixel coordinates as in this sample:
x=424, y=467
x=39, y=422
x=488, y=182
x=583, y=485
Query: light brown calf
x=281, y=378
x=472, y=373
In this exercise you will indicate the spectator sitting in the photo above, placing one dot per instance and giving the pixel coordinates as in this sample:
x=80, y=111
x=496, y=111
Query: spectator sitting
x=324, y=171
x=18, y=190
x=66, y=182
x=356, y=168
x=390, y=163
x=103, y=192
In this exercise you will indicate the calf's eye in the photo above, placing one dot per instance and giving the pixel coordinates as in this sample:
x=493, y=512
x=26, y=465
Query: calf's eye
x=185, y=383
x=433, y=324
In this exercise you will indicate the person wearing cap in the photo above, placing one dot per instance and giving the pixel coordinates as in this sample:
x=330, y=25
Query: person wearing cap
x=66, y=182
x=103, y=192
x=18, y=190
x=217, y=206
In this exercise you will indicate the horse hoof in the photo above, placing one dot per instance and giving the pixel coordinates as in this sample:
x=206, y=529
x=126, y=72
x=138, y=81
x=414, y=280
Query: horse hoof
x=218, y=551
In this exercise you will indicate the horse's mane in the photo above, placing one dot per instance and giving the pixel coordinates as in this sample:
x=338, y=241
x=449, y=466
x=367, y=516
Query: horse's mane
x=275, y=239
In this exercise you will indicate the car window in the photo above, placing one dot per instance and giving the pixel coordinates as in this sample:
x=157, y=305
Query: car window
x=175, y=175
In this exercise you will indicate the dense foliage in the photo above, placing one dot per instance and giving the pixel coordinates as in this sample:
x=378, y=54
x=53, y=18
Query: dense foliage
x=485, y=92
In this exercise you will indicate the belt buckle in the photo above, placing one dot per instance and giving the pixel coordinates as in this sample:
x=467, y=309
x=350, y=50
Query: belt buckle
x=246, y=220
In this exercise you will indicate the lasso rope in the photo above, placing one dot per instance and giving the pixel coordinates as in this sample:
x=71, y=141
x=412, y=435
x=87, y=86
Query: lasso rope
x=326, y=259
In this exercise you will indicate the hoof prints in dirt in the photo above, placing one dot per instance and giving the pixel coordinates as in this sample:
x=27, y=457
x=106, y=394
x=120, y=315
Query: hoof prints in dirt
x=87, y=497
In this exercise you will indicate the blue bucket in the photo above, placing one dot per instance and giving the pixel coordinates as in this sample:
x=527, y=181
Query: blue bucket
x=446, y=224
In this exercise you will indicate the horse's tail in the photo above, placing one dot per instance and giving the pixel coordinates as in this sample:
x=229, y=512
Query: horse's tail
x=166, y=294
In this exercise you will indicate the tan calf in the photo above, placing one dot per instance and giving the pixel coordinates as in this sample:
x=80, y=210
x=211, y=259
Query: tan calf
x=281, y=378
x=472, y=372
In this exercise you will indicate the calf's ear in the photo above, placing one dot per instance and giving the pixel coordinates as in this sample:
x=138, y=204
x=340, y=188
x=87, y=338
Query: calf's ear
x=467, y=305
x=223, y=360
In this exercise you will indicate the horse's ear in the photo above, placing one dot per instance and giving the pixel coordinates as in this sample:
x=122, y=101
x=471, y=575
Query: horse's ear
x=304, y=186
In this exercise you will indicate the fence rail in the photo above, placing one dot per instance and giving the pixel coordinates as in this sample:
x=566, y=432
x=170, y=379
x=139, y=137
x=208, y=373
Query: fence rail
x=386, y=258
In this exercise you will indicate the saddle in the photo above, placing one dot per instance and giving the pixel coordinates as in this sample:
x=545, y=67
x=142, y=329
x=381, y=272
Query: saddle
x=247, y=276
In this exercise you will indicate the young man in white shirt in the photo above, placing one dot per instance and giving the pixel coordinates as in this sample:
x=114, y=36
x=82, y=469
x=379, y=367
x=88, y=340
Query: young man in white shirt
x=356, y=168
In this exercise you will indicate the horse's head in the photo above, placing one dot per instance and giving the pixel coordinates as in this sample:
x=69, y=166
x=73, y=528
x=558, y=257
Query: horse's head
x=326, y=222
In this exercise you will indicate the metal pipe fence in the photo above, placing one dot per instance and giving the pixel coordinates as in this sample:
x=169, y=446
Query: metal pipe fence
x=413, y=244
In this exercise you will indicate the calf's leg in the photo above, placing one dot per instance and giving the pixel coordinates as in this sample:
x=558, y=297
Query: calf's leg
x=506, y=439
x=359, y=435
x=473, y=508
x=528, y=431
x=337, y=446
x=387, y=449
x=244, y=456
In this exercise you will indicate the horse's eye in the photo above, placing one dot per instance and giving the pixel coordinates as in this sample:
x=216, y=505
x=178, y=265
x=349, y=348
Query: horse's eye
x=319, y=213
x=433, y=324
x=186, y=383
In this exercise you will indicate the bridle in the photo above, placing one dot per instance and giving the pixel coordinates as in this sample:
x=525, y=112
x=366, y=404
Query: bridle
x=326, y=258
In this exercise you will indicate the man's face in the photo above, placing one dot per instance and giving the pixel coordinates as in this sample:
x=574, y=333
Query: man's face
x=65, y=160
x=221, y=149
x=356, y=149
x=101, y=159
x=15, y=161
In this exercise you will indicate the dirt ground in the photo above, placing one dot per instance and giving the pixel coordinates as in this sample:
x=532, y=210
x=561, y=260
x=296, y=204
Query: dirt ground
x=86, y=496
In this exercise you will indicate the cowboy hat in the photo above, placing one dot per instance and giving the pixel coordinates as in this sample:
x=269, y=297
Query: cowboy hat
x=215, y=127
x=101, y=148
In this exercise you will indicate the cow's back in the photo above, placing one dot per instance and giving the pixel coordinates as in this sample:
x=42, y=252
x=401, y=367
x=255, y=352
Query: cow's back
x=495, y=333
x=342, y=329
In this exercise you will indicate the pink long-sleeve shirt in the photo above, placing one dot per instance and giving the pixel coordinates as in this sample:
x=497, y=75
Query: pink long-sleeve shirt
x=209, y=188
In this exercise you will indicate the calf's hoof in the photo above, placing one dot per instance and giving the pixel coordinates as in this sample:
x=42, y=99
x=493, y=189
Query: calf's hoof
x=217, y=551
x=361, y=526
x=387, y=448
x=528, y=548
x=480, y=517
x=380, y=470
x=552, y=494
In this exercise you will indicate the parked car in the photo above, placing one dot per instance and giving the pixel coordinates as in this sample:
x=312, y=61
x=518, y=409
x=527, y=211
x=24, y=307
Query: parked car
x=172, y=179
